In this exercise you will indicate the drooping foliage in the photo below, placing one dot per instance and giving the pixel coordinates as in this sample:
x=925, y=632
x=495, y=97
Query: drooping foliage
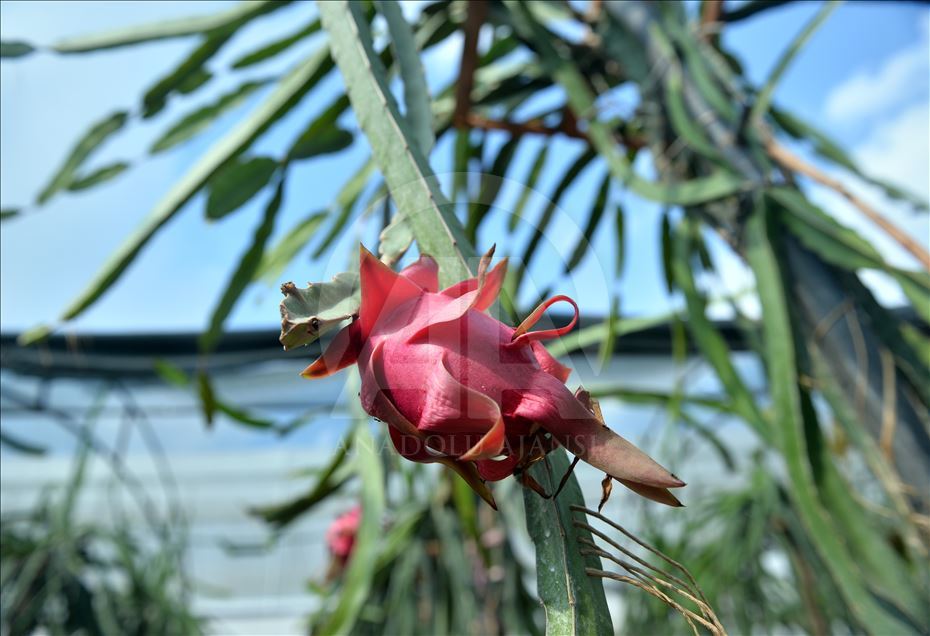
x=838, y=364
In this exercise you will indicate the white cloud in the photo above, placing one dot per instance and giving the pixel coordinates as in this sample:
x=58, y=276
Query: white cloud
x=870, y=92
x=898, y=150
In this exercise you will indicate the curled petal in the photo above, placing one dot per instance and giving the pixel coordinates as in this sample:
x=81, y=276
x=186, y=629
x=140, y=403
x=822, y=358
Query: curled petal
x=460, y=288
x=469, y=473
x=411, y=447
x=488, y=287
x=549, y=364
x=383, y=290
x=474, y=293
x=424, y=272
x=414, y=449
x=523, y=335
x=341, y=352
x=523, y=451
x=375, y=399
x=660, y=495
x=491, y=444
x=471, y=284
x=497, y=469
x=551, y=404
x=448, y=312
x=452, y=407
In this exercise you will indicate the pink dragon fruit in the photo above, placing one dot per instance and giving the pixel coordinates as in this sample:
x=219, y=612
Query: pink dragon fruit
x=457, y=386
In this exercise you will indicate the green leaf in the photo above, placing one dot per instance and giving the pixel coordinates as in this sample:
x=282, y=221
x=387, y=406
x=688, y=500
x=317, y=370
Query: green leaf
x=192, y=25
x=639, y=396
x=529, y=185
x=848, y=416
x=242, y=416
x=419, y=114
x=708, y=338
x=437, y=22
x=585, y=244
x=764, y=97
x=359, y=573
x=786, y=400
x=207, y=398
x=823, y=145
x=323, y=136
x=568, y=179
x=98, y=176
x=406, y=521
x=188, y=76
x=831, y=150
x=282, y=99
x=395, y=239
x=823, y=234
x=750, y=8
x=171, y=373
x=457, y=575
x=404, y=577
x=85, y=147
x=9, y=213
x=700, y=69
x=710, y=437
x=595, y=334
x=574, y=602
x=238, y=181
x=910, y=347
x=844, y=247
x=309, y=312
x=198, y=120
x=245, y=271
x=277, y=258
x=916, y=286
x=607, y=347
x=270, y=50
x=406, y=170
x=345, y=204
x=15, y=48
x=621, y=251
x=868, y=545
x=461, y=155
x=667, y=255
x=331, y=478
x=491, y=183
x=20, y=445
x=717, y=185
x=686, y=126
x=210, y=403
x=194, y=81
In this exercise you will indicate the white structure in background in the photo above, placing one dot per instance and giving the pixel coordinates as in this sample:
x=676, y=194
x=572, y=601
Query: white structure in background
x=243, y=583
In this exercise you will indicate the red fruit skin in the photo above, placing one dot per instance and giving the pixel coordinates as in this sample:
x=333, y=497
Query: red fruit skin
x=458, y=386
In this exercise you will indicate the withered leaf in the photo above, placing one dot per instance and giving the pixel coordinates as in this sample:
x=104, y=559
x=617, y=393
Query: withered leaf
x=309, y=312
x=607, y=485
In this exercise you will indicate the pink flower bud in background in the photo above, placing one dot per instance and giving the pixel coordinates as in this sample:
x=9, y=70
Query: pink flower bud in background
x=340, y=536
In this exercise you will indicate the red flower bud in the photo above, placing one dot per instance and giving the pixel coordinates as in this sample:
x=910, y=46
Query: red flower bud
x=457, y=386
x=340, y=536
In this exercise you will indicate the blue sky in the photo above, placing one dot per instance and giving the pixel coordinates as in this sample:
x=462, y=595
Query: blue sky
x=863, y=78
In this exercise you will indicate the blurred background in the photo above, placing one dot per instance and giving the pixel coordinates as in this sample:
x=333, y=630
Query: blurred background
x=165, y=469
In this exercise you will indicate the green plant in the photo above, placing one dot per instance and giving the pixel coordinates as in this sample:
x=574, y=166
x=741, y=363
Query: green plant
x=834, y=358
x=65, y=575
